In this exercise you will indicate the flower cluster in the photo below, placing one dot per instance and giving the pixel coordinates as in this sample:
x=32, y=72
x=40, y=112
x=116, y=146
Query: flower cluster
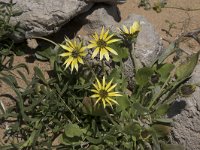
x=75, y=51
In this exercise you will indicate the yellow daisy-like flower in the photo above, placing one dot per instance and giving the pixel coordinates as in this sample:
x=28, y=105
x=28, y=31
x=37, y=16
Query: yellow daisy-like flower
x=101, y=44
x=103, y=92
x=133, y=29
x=74, y=53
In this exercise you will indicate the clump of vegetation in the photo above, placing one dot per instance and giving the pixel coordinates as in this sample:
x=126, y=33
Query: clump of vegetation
x=87, y=102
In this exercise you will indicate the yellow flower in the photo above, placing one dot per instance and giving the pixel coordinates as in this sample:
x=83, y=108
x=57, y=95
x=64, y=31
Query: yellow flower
x=74, y=53
x=103, y=92
x=101, y=44
x=133, y=29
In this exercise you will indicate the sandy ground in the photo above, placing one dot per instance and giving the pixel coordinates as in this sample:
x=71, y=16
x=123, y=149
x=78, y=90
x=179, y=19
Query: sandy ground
x=183, y=20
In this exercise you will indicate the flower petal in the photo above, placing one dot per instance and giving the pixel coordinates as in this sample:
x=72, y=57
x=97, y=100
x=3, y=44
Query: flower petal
x=66, y=48
x=114, y=94
x=125, y=29
x=112, y=100
x=112, y=87
x=95, y=91
x=92, y=45
x=107, y=100
x=112, y=41
x=96, y=51
x=80, y=60
x=111, y=50
x=65, y=54
x=108, y=85
x=105, y=35
x=109, y=37
x=99, y=84
x=102, y=33
x=95, y=95
x=104, y=83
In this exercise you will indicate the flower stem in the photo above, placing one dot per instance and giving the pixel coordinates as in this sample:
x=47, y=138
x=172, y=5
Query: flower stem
x=50, y=41
x=103, y=67
x=108, y=115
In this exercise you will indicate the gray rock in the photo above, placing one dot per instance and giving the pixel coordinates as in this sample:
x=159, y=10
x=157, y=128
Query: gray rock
x=186, y=115
x=44, y=17
x=100, y=15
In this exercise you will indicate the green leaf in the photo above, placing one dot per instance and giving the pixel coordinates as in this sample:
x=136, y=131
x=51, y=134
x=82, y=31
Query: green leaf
x=162, y=110
x=123, y=102
x=143, y=75
x=185, y=69
x=40, y=75
x=161, y=130
x=164, y=120
x=94, y=140
x=165, y=71
x=140, y=109
x=122, y=51
x=167, y=52
x=133, y=129
x=72, y=130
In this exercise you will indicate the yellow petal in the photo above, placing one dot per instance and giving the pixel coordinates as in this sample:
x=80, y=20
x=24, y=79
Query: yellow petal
x=95, y=91
x=102, y=33
x=112, y=100
x=96, y=86
x=107, y=100
x=69, y=60
x=109, y=37
x=136, y=26
x=102, y=53
x=92, y=45
x=94, y=95
x=96, y=51
x=96, y=36
x=76, y=65
x=112, y=87
x=80, y=60
x=83, y=54
x=105, y=35
x=99, y=84
x=97, y=101
x=71, y=44
x=107, y=56
x=108, y=85
x=104, y=102
x=66, y=48
x=73, y=64
x=112, y=41
x=114, y=94
x=65, y=54
x=111, y=50
x=82, y=49
x=104, y=83
x=125, y=29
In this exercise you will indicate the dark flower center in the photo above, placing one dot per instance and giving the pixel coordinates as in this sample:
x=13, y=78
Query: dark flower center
x=75, y=53
x=103, y=93
x=101, y=43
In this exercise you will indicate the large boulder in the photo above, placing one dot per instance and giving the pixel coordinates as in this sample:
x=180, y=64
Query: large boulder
x=186, y=115
x=44, y=17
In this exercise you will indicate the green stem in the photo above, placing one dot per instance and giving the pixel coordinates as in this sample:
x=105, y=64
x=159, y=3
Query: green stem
x=36, y=37
x=160, y=93
x=181, y=8
x=69, y=108
x=108, y=115
x=91, y=69
x=103, y=67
